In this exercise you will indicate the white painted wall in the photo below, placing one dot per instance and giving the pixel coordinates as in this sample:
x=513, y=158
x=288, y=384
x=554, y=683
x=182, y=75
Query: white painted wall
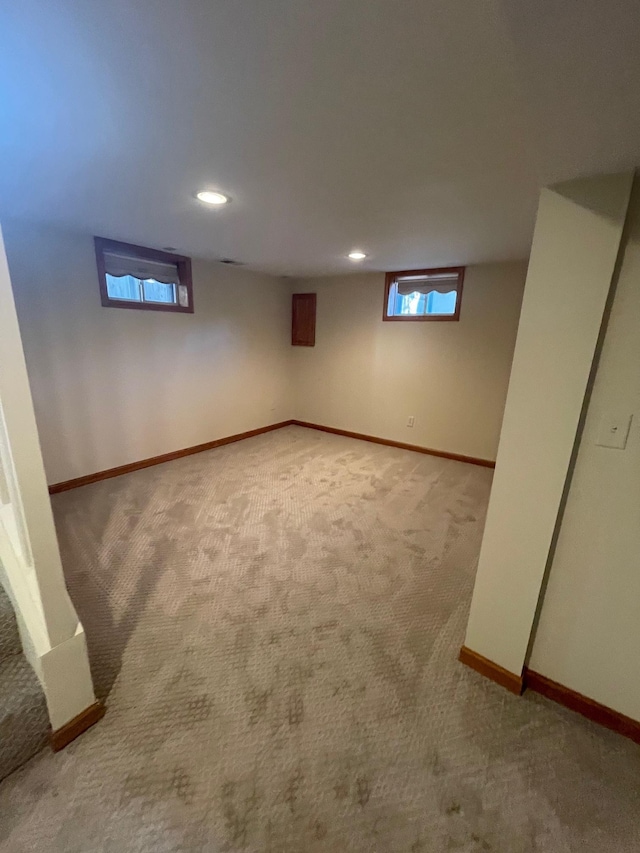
x=30, y=566
x=575, y=246
x=113, y=386
x=369, y=376
x=588, y=637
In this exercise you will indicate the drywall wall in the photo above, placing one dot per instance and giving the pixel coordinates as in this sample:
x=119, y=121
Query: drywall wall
x=369, y=376
x=573, y=257
x=114, y=386
x=588, y=636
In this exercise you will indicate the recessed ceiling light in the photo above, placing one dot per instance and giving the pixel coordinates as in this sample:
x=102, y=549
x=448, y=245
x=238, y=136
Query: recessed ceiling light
x=357, y=256
x=210, y=197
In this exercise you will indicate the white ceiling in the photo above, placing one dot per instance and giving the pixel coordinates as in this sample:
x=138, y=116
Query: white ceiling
x=417, y=130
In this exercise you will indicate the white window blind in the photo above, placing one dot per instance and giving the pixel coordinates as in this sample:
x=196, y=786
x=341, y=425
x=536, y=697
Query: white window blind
x=141, y=268
x=430, y=283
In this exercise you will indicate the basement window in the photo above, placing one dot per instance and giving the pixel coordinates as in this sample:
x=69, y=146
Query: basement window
x=147, y=279
x=433, y=294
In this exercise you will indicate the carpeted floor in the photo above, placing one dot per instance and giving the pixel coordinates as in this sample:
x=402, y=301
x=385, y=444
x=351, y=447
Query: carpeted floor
x=275, y=625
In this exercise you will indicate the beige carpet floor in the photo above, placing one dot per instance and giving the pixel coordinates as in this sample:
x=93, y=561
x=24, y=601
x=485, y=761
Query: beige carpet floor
x=274, y=626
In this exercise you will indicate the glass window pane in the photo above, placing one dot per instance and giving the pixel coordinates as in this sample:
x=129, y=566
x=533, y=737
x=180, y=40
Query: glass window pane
x=156, y=291
x=123, y=287
x=441, y=303
x=392, y=306
x=411, y=304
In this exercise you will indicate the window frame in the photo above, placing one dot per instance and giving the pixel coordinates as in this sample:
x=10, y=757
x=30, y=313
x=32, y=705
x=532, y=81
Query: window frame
x=392, y=277
x=183, y=263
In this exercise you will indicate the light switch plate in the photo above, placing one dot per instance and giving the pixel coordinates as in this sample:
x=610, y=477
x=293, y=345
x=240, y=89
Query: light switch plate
x=614, y=431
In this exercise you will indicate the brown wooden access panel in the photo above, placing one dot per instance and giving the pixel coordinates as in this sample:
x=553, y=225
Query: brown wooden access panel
x=303, y=320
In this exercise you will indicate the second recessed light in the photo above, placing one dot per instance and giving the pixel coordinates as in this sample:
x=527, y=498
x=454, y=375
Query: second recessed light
x=357, y=255
x=210, y=197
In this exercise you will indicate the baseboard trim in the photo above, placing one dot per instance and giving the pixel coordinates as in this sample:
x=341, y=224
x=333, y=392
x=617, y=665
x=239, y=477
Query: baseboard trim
x=229, y=439
x=512, y=682
x=158, y=460
x=589, y=708
x=71, y=730
x=444, y=454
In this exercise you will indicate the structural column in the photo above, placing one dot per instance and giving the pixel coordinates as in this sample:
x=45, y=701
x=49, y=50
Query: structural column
x=572, y=265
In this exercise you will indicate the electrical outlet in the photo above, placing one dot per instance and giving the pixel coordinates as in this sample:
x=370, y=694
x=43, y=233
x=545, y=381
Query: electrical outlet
x=411, y=421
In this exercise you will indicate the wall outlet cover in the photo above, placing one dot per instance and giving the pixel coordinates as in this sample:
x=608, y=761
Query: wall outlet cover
x=614, y=431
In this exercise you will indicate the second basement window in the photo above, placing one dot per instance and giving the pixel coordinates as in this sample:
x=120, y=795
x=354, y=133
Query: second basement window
x=433, y=294
x=148, y=279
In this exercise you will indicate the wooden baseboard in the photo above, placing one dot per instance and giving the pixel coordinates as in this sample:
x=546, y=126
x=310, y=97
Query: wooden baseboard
x=70, y=731
x=589, y=708
x=444, y=454
x=158, y=460
x=218, y=442
x=514, y=683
